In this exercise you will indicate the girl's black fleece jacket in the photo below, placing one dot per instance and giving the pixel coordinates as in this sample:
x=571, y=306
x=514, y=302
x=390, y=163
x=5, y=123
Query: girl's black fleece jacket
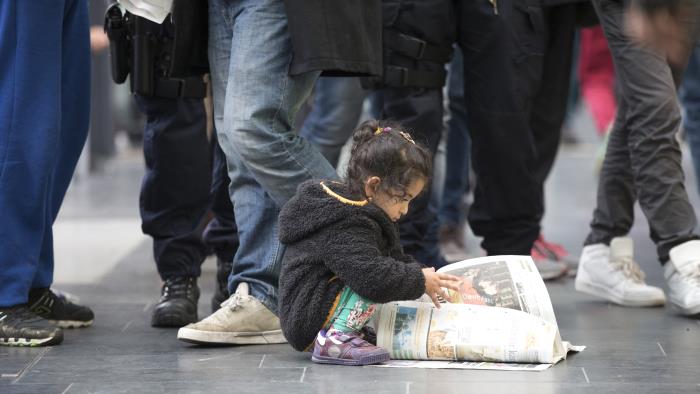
x=332, y=241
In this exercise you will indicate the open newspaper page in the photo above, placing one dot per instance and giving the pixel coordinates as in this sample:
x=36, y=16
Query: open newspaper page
x=501, y=316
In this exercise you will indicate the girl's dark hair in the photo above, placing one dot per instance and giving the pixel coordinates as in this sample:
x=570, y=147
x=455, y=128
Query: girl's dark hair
x=391, y=155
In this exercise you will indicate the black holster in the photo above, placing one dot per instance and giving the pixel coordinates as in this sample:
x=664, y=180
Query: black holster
x=164, y=60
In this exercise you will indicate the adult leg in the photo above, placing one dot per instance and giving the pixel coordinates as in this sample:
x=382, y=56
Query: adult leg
x=175, y=189
x=549, y=111
x=44, y=112
x=337, y=107
x=174, y=200
x=44, y=124
x=502, y=68
x=249, y=54
x=418, y=109
x=221, y=234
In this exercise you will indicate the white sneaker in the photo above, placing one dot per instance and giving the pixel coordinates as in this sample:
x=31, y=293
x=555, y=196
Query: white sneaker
x=682, y=273
x=241, y=320
x=612, y=273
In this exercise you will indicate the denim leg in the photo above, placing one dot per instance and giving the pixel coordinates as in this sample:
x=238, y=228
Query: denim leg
x=690, y=97
x=458, y=147
x=175, y=190
x=255, y=102
x=44, y=115
x=336, y=109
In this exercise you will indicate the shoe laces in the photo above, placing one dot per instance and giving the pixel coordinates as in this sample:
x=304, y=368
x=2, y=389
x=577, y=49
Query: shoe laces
x=178, y=288
x=629, y=268
x=234, y=302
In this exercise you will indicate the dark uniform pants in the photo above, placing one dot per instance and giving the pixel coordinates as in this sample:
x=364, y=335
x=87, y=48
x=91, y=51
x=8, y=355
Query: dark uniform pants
x=176, y=192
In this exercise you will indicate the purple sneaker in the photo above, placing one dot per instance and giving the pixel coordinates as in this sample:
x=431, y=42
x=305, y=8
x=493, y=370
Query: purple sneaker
x=346, y=349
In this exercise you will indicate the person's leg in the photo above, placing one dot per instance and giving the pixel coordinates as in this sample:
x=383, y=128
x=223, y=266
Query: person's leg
x=419, y=109
x=261, y=101
x=503, y=66
x=613, y=215
x=690, y=97
x=255, y=101
x=174, y=200
x=549, y=110
x=43, y=125
x=175, y=189
x=337, y=106
x=221, y=234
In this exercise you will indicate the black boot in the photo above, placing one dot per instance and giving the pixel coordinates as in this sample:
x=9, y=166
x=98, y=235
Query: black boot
x=21, y=327
x=59, y=310
x=177, y=306
x=223, y=270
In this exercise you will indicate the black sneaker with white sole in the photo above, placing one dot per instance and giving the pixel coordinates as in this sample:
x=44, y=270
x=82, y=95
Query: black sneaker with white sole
x=21, y=327
x=59, y=310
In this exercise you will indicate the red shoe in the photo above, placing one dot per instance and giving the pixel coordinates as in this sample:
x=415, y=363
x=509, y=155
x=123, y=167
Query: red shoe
x=556, y=252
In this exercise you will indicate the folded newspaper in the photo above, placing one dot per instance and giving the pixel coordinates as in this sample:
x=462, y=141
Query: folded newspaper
x=502, y=318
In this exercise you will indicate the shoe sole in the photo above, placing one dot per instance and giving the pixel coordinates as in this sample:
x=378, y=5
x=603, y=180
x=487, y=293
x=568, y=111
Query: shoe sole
x=693, y=312
x=230, y=338
x=171, y=320
x=553, y=275
x=369, y=360
x=71, y=323
x=603, y=292
x=24, y=342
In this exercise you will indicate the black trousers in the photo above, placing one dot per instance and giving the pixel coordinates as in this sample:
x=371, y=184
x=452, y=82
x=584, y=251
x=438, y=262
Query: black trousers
x=177, y=190
x=419, y=110
x=516, y=69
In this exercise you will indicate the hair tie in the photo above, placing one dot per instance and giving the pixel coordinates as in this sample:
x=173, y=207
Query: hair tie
x=380, y=129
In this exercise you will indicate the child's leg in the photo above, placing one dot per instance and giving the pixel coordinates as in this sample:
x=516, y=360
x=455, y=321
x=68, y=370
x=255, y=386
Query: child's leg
x=352, y=313
x=341, y=342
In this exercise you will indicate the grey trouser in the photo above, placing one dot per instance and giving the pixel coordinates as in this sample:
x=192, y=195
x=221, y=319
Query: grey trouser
x=643, y=158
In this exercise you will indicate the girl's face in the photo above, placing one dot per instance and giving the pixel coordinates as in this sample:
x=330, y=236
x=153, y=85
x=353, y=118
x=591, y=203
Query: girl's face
x=394, y=206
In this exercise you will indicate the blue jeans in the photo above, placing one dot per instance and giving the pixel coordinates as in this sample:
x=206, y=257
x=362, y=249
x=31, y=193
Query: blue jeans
x=255, y=102
x=44, y=117
x=458, y=147
x=336, y=109
x=690, y=97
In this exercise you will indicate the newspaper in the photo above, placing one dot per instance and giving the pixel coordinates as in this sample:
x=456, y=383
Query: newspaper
x=502, y=318
x=153, y=10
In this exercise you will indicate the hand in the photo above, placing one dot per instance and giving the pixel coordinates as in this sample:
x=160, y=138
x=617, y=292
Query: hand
x=435, y=284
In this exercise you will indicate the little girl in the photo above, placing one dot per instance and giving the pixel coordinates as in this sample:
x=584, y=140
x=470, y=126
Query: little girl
x=343, y=253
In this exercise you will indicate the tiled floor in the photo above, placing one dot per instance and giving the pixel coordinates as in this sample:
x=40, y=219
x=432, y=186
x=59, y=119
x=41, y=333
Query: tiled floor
x=628, y=350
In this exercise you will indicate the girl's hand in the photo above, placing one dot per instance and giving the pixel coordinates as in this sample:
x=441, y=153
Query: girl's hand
x=435, y=284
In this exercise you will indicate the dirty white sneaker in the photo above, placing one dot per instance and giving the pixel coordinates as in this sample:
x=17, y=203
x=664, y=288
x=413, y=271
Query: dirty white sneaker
x=682, y=273
x=241, y=320
x=611, y=273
